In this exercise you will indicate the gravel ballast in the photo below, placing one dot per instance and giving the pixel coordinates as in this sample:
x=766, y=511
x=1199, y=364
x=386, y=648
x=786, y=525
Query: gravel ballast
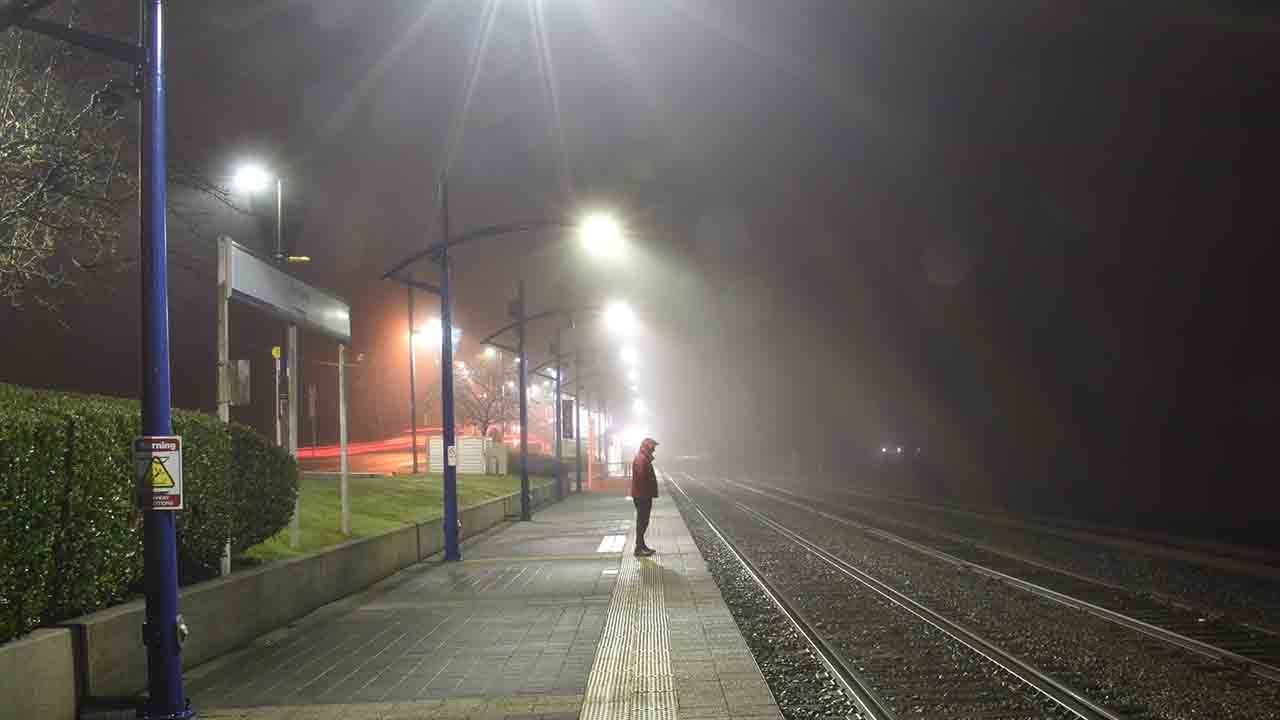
x=1122, y=669
x=916, y=670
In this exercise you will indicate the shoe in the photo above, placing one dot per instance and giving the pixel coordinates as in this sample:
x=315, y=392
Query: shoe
x=645, y=552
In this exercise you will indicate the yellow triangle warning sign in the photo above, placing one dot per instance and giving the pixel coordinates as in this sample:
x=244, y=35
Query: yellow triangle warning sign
x=158, y=476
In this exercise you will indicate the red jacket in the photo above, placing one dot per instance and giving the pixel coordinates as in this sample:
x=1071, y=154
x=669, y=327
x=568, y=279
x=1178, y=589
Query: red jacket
x=644, y=481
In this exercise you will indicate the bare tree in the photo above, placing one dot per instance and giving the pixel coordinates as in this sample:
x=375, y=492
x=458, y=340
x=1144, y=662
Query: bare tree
x=64, y=178
x=484, y=400
x=67, y=170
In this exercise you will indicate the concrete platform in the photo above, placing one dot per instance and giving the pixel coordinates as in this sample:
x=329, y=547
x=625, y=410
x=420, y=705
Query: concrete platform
x=553, y=618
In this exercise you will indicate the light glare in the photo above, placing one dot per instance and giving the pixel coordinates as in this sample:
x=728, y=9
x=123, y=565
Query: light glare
x=619, y=319
x=251, y=179
x=601, y=236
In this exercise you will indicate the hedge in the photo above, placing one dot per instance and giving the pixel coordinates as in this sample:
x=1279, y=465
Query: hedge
x=70, y=534
x=539, y=464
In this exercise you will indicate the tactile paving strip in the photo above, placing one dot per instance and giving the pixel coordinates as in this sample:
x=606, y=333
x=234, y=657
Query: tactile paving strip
x=631, y=677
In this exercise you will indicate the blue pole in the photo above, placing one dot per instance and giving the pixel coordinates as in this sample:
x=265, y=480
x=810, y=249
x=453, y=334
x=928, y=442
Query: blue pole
x=164, y=653
x=451, y=550
x=555, y=350
x=524, y=411
x=577, y=411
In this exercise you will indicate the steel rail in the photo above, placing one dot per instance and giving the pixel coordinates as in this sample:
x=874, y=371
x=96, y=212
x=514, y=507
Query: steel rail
x=1027, y=673
x=1204, y=649
x=869, y=704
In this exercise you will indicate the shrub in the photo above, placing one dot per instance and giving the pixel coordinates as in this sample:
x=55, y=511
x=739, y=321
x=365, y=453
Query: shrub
x=539, y=464
x=263, y=488
x=70, y=535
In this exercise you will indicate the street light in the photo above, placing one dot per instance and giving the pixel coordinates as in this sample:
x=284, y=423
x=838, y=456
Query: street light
x=490, y=353
x=629, y=355
x=164, y=631
x=252, y=178
x=601, y=235
x=619, y=318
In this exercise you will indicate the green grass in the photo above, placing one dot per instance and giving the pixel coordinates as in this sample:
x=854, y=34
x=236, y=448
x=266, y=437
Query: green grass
x=377, y=505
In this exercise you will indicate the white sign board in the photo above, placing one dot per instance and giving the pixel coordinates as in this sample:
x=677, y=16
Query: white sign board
x=157, y=467
x=453, y=456
x=260, y=282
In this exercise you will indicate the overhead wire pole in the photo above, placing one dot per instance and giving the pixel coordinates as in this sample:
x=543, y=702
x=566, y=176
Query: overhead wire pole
x=555, y=352
x=413, y=382
x=524, y=406
x=164, y=631
x=577, y=414
x=451, y=550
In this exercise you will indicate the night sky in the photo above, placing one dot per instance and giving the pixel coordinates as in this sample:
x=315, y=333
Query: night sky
x=1036, y=239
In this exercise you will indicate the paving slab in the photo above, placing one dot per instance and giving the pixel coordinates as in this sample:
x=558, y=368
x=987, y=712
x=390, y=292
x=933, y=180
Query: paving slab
x=543, y=620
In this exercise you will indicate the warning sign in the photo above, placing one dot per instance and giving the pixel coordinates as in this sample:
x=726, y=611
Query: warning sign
x=157, y=465
x=452, y=456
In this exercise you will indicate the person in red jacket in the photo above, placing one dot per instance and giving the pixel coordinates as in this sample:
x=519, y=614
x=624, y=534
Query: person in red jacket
x=644, y=488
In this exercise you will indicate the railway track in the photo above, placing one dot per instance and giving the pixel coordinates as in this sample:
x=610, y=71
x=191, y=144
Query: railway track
x=1215, y=638
x=893, y=655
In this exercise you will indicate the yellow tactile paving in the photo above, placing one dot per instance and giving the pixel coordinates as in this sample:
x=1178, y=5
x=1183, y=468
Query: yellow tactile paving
x=631, y=676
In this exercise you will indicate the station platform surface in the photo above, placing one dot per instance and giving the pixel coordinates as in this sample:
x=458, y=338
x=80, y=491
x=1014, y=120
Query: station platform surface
x=553, y=618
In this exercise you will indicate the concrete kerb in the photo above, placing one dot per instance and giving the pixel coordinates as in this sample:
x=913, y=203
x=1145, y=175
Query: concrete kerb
x=43, y=660
x=230, y=612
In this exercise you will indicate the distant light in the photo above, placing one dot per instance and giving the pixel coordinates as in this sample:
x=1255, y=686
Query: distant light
x=631, y=436
x=899, y=451
x=619, y=319
x=298, y=259
x=251, y=179
x=490, y=353
x=511, y=384
x=429, y=334
x=601, y=236
x=884, y=450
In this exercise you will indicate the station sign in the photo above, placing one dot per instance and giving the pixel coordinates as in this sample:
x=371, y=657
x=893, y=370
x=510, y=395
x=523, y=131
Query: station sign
x=260, y=282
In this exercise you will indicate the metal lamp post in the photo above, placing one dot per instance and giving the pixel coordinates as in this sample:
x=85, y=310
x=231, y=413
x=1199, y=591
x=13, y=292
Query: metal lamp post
x=577, y=422
x=612, y=313
x=164, y=631
x=525, y=511
x=555, y=352
x=603, y=237
x=413, y=382
x=253, y=179
x=451, y=550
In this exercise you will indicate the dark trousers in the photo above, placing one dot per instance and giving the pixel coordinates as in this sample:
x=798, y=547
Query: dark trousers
x=643, y=506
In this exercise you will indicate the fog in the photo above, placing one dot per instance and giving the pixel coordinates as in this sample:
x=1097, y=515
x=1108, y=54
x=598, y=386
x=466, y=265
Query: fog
x=1030, y=242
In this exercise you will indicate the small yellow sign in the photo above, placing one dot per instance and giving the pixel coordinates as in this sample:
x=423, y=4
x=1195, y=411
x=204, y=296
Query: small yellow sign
x=157, y=476
x=157, y=465
x=275, y=351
